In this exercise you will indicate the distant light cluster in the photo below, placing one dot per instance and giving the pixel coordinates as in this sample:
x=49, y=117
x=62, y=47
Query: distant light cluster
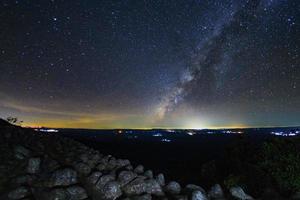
x=286, y=133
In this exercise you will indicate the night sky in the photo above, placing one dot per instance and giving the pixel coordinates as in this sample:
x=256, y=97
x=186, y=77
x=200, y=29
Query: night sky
x=150, y=63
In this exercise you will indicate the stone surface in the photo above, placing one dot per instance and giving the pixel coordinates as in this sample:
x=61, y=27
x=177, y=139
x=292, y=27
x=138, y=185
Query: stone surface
x=173, y=187
x=148, y=174
x=103, y=180
x=56, y=194
x=153, y=187
x=21, y=152
x=58, y=168
x=139, y=169
x=122, y=162
x=82, y=168
x=198, y=195
x=22, y=180
x=192, y=187
x=216, y=192
x=238, y=193
x=181, y=197
x=33, y=165
x=111, y=190
x=50, y=165
x=125, y=177
x=19, y=193
x=101, y=166
x=160, y=178
x=94, y=177
x=76, y=193
x=142, y=197
x=136, y=187
x=63, y=177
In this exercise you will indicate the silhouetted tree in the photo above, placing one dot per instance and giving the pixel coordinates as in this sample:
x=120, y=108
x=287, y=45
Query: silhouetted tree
x=14, y=120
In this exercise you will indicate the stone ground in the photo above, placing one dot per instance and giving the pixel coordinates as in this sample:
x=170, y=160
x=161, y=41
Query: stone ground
x=42, y=166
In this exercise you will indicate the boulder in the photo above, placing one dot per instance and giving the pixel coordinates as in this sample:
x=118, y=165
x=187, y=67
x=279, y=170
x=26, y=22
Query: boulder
x=160, y=178
x=198, y=195
x=94, y=177
x=63, y=177
x=122, y=163
x=129, y=167
x=21, y=152
x=191, y=187
x=173, y=187
x=82, y=168
x=238, y=193
x=104, y=180
x=19, y=193
x=76, y=193
x=111, y=190
x=33, y=165
x=126, y=176
x=181, y=197
x=50, y=165
x=112, y=164
x=216, y=192
x=22, y=180
x=142, y=197
x=135, y=187
x=56, y=194
x=139, y=169
x=153, y=187
x=148, y=174
x=101, y=166
x=84, y=157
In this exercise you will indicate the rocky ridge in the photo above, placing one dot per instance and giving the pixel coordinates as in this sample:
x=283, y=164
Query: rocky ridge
x=49, y=167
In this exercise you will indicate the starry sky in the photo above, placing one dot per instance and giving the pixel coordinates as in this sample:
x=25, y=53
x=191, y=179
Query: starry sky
x=150, y=63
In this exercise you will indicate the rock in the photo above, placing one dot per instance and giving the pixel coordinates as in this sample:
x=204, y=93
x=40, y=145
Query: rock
x=198, y=195
x=135, y=187
x=33, y=165
x=101, y=166
x=129, y=167
x=83, y=168
x=160, y=178
x=84, y=157
x=19, y=193
x=94, y=177
x=142, y=197
x=63, y=177
x=122, y=163
x=181, y=197
x=21, y=152
x=111, y=190
x=139, y=169
x=56, y=194
x=173, y=187
x=76, y=192
x=103, y=180
x=50, y=165
x=238, y=193
x=191, y=187
x=112, y=163
x=153, y=187
x=21, y=180
x=148, y=174
x=216, y=192
x=126, y=176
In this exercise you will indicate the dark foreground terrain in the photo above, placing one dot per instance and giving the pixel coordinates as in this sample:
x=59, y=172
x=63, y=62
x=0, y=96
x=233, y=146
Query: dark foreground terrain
x=39, y=165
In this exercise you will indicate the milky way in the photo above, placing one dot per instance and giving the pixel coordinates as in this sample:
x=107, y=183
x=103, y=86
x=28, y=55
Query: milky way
x=217, y=56
x=141, y=64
